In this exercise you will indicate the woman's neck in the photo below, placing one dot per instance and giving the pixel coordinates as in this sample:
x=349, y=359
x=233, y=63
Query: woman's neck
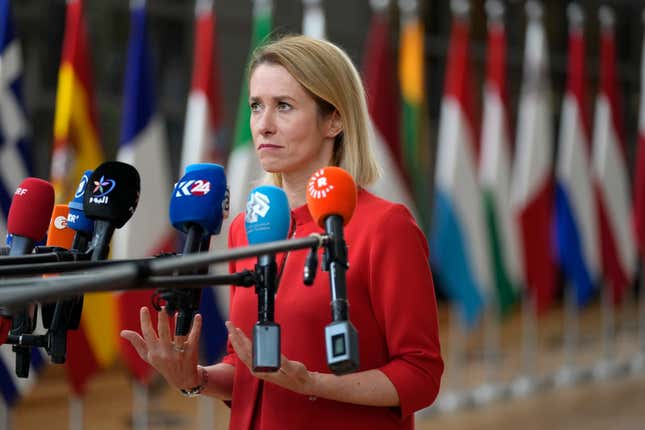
x=295, y=187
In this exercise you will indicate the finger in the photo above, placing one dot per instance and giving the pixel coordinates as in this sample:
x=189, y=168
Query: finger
x=146, y=326
x=163, y=327
x=137, y=342
x=195, y=331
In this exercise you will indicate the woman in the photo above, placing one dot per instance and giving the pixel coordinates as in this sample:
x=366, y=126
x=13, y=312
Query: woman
x=308, y=111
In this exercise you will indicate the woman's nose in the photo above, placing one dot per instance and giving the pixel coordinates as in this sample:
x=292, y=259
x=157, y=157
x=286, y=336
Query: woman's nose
x=266, y=122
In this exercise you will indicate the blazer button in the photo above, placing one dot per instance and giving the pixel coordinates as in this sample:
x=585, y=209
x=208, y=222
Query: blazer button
x=313, y=398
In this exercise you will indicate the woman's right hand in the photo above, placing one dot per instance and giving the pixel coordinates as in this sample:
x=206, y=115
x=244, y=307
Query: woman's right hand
x=175, y=358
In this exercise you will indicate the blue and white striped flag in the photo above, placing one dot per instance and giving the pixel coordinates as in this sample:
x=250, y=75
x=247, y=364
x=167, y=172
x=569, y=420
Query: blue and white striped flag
x=15, y=157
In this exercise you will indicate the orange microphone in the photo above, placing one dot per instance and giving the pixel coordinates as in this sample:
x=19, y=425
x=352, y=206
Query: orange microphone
x=65, y=314
x=331, y=191
x=331, y=199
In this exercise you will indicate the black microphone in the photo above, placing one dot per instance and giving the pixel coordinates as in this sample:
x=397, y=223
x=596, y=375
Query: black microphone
x=267, y=219
x=331, y=198
x=27, y=222
x=110, y=199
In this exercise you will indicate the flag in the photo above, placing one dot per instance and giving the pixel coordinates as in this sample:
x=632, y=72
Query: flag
x=639, y=175
x=76, y=138
x=495, y=171
x=13, y=388
x=243, y=165
x=576, y=222
x=313, y=19
x=458, y=236
x=203, y=118
x=618, y=250
x=532, y=187
x=143, y=145
x=203, y=113
x=15, y=147
x=77, y=148
x=383, y=103
x=414, y=120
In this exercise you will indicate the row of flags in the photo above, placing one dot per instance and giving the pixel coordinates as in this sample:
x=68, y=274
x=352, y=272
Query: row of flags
x=507, y=222
x=504, y=215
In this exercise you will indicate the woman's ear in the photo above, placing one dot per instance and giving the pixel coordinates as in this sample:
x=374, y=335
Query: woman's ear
x=334, y=124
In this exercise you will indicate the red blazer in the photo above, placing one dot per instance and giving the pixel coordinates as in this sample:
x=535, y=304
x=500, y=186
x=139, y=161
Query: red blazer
x=392, y=305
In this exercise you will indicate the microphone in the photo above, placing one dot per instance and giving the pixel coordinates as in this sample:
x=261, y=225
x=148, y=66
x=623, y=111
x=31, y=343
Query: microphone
x=110, y=199
x=198, y=206
x=65, y=314
x=331, y=199
x=267, y=219
x=76, y=220
x=27, y=223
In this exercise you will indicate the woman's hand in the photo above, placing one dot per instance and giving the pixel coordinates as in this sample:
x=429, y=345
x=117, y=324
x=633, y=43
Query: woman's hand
x=175, y=358
x=292, y=375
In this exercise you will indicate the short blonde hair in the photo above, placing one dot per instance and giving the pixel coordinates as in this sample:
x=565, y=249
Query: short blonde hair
x=327, y=73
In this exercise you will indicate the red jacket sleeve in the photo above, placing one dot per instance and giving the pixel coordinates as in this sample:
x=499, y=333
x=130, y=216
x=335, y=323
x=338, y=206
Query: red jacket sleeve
x=403, y=298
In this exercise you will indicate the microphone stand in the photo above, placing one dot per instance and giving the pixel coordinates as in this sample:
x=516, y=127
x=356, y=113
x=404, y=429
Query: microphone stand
x=341, y=337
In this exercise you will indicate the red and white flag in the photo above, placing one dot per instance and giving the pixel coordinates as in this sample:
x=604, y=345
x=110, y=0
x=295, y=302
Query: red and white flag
x=610, y=171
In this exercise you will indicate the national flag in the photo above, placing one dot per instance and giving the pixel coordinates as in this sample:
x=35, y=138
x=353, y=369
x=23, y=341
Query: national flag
x=383, y=103
x=13, y=388
x=495, y=171
x=203, y=118
x=618, y=249
x=414, y=119
x=143, y=145
x=15, y=145
x=458, y=246
x=639, y=174
x=532, y=187
x=204, y=112
x=244, y=171
x=77, y=148
x=76, y=138
x=313, y=19
x=576, y=226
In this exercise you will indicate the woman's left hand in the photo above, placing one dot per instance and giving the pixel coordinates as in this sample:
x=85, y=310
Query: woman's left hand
x=292, y=375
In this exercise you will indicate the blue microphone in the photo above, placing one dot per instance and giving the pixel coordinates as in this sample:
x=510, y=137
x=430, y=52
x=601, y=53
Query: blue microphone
x=267, y=219
x=198, y=206
x=76, y=219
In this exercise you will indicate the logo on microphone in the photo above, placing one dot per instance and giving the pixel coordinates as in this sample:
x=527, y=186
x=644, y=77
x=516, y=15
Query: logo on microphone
x=318, y=186
x=21, y=191
x=102, y=188
x=257, y=205
x=81, y=187
x=193, y=187
x=60, y=222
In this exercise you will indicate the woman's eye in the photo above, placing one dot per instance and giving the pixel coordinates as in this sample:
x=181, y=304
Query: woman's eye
x=284, y=106
x=255, y=106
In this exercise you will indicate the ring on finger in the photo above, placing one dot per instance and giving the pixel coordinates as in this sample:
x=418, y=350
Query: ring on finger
x=178, y=348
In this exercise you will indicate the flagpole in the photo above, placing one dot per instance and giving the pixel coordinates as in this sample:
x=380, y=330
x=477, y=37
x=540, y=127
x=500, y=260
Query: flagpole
x=140, y=401
x=527, y=381
x=453, y=397
x=638, y=361
x=568, y=374
x=76, y=410
x=5, y=416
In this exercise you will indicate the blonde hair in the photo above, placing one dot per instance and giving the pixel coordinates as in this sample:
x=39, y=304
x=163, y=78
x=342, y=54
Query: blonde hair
x=327, y=73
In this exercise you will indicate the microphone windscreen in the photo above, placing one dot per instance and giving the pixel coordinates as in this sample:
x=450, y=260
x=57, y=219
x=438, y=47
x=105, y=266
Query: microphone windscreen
x=267, y=217
x=331, y=191
x=31, y=209
x=200, y=197
x=76, y=220
x=112, y=193
x=59, y=234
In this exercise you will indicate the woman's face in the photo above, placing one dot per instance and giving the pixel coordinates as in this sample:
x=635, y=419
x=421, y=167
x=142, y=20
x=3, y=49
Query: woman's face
x=288, y=133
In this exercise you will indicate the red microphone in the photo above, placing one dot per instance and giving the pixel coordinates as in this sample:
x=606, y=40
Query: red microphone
x=29, y=214
x=331, y=199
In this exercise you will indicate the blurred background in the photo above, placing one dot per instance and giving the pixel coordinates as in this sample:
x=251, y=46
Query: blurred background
x=509, y=128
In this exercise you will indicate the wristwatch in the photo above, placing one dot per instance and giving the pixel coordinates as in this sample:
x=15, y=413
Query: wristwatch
x=197, y=390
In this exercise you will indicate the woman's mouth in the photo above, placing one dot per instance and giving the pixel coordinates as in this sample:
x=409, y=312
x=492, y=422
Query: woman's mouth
x=268, y=146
